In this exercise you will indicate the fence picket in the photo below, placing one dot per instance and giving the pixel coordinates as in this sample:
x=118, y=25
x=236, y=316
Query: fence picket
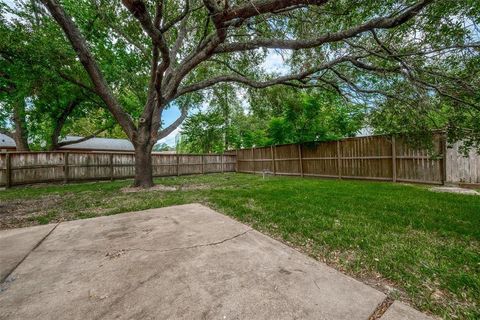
x=373, y=158
x=55, y=166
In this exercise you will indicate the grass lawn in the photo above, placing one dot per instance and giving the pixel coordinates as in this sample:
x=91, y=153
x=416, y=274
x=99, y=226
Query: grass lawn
x=419, y=246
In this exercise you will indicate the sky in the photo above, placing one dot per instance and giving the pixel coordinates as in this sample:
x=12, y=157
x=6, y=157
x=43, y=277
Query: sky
x=169, y=116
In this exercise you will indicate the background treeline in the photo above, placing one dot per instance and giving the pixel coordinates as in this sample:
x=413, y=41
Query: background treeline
x=273, y=116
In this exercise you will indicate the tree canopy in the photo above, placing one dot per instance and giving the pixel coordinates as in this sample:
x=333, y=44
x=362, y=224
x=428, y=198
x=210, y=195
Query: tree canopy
x=277, y=116
x=40, y=94
x=140, y=57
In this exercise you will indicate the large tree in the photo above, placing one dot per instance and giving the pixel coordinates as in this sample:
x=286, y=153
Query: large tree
x=41, y=92
x=363, y=48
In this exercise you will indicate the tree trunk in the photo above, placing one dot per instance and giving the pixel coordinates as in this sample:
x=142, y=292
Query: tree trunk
x=143, y=166
x=20, y=135
x=20, y=141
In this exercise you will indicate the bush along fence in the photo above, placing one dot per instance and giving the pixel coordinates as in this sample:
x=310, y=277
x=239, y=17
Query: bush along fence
x=384, y=158
x=19, y=168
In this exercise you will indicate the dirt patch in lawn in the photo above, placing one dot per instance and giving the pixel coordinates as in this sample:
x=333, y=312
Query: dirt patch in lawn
x=19, y=213
x=192, y=187
x=455, y=190
x=161, y=187
x=157, y=187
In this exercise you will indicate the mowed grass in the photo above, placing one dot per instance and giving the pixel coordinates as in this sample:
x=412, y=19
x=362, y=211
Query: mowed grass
x=416, y=245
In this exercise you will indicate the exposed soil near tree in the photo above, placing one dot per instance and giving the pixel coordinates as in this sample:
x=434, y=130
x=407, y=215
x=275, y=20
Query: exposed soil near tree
x=21, y=213
x=159, y=187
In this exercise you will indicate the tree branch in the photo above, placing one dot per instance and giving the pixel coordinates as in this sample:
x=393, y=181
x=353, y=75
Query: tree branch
x=184, y=13
x=88, y=61
x=202, y=53
x=377, y=23
x=229, y=67
x=61, y=122
x=77, y=82
x=165, y=132
x=223, y=17
x=260, y=84
x=93, y=135
x=255, y=8
x=140, y=12
x=6, y=132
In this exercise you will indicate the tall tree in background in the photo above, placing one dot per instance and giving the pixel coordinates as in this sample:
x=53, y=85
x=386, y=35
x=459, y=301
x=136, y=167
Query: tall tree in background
x=295, y=117
x=355, y=48
x=310, y=115
x=203, y=133
x=40, y=88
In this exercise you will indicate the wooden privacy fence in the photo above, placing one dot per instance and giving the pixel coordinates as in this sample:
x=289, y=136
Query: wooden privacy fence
x=462, y=169
x=17, y=168
x=373, y=157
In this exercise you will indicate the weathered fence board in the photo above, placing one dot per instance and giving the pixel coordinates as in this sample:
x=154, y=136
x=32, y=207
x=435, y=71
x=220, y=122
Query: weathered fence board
x=461, y=168
x=373, y=158
x=18, y=168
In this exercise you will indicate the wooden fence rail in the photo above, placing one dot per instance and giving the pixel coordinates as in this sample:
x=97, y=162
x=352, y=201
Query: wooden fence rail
x=373, y=158
x=463, y=169
x=18, y=168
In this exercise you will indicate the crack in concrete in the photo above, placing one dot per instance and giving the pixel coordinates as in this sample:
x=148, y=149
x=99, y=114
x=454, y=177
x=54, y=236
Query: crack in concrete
x=316, y=284
x=157, y=250
x=381, y=309
x=192, y=247
x=4, y=280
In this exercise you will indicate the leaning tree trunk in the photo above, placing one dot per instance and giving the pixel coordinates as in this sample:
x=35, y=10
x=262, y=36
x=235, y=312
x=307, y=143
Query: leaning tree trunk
x=20, y=135
x=143, y=166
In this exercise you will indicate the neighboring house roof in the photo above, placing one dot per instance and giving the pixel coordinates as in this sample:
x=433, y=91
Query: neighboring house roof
x=94, y=144
x=101, y=144
x=6, y=141
x=105, y=144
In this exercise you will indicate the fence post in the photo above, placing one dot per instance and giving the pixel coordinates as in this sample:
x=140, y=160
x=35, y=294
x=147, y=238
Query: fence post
x=8, y=173
x=272, y=151
x=178, y=165
x=65, y=167
x=222, y=156
x=444, y=158
x=111, y=167
x=339, y=160
x=300, y=159
x=236, y=160
x=253, y=161
x=394, y=160
x=203, y=165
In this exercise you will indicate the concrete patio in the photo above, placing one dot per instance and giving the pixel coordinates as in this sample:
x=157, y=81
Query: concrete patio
x=182, y=262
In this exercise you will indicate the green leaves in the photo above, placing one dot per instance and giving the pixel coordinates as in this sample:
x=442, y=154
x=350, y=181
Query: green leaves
x=41, y=70
x=419, y=68
x=293, y=117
